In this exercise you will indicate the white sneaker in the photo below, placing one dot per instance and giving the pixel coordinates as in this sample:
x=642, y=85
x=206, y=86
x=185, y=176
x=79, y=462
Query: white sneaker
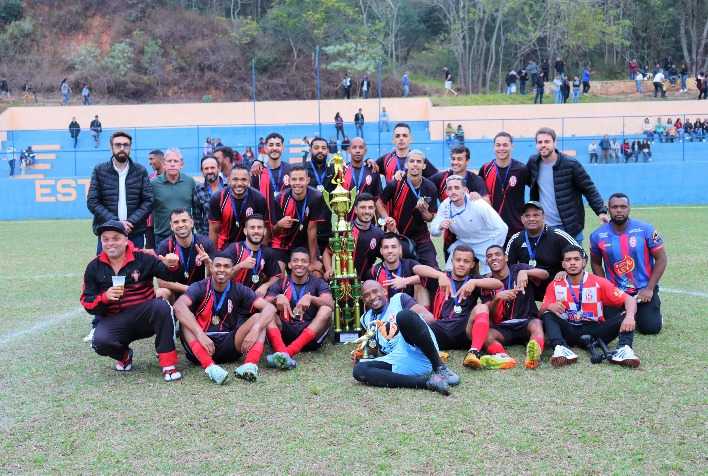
x=89, y=336
x=563, y=356
x=625, y=356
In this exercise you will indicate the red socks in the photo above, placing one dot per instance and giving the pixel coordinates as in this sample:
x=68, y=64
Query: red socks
x=254, y=355
x=168, y=359
x=303, y=339
x=480, y=327
x=540, y=342
x=276, y=339
x=496, y=348
x=201, y=354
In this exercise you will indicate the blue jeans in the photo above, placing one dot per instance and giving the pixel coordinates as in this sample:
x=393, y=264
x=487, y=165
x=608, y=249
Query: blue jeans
x=12, y=167
x=645, y=156
x=360, y=130
x=683, y=81
x=522, y=87
x=639, y=87
x=576, y=96
x=632, y=76
x=406, y=88
x=65, y=99
x=698, y=133
x=650, y=135
x=87, y=102
x=539, y=95
x=557, y=96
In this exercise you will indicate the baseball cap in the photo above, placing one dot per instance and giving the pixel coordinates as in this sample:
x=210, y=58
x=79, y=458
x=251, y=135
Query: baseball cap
x=532, y=203
x=112, y=225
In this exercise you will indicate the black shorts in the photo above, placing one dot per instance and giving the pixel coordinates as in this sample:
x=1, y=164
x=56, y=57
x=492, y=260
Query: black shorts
x=514, y=333
x=292, y=329
x=427, y=254
x=451, y=333
x=282, y=255
x=225, y=350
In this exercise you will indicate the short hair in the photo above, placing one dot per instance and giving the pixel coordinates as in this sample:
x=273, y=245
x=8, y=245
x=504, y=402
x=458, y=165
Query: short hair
x=299, y=168
x=572, y=248
x=120, y=134
x=546, y=130
x=226, y=151
x=253, y=216
x=316, y=139
x=463, y=249
x=618, y=195
x=388, y=236
x=275, y=135
x=461, y=149
x=455, y=177
x=156, y=152
x=416, y=152
x=224, y=254
x=299, y=249
x=174, y=150
x=504, y=134
x=179, y=211
x=206, y=157
x=364, y=197
x=495, y=246
x=402, y=124
x=239, y=166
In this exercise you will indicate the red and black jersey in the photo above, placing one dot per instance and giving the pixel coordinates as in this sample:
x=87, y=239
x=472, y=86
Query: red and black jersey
x=366, y=250
x=507, y=187
x=194, y=270
x=267, y=266
x=236, y=306
x=311, y=209
x=139, y=268
x=391, y=163
x=523, y=307
x=444, y=307
x=401, y=200
x=264, y=182
x=315, y=287
x=473, y=182
x=226, y=209
x=322, y=175
x=364, y=181
x=381, y=273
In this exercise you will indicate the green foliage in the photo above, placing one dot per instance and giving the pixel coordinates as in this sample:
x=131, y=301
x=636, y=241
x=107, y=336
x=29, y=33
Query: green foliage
x=358, y=57
x=11, y=10
x=207, y=98
x=16, y=40
x=244, y=31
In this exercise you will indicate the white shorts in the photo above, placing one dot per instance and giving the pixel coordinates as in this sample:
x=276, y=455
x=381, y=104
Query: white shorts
x=448, y=84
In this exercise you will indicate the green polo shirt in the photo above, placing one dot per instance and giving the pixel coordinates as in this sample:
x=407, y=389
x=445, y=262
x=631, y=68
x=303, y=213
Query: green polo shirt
x=169, y=196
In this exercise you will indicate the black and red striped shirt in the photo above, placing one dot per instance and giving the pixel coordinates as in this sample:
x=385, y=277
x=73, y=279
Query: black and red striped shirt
x=196, y=270
x=401, y=201
x=366, y=250
x=523, y=307
x=364, y=181
x=264, y=184
x=507, y=188
x=310, y=209
x=444, y=307
x=315, y=287
x=267, y=267
x=221, y=210
x=381, y=273
x=236, y=307
x=390, y=163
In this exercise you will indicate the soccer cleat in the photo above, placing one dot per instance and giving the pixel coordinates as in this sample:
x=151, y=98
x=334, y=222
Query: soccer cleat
x=497, y=362
x=625, y=357
x=281, y=360
x=89, y=336
x=563, y=356
x=127, y=364
x=444, y=356
x=171, y=375
x=533, y=354
x=248, y=372
x=437, y=383
x=216, y=373
x=472, y=359
x=451, y=377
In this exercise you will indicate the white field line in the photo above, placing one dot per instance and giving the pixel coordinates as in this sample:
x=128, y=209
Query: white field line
x=41, y=325
x=683, y=291
x=668, y=207
x=41, y=276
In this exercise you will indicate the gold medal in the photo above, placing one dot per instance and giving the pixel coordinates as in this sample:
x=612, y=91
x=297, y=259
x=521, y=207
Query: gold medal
x=457, y=309
x=215, y=320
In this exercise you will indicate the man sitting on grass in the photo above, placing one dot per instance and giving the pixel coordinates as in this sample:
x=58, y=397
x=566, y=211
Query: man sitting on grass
x=218, y=323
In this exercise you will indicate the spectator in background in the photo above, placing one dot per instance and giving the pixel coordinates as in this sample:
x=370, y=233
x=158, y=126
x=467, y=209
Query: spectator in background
x=261, y=150
x=383, y=120
x=332, y=146
x=65, y=90
x=304, y=146
x=523, y=79
x=557, y=94
x=576, y=90
x=586, y=80
x=699, y=130
x=626, y=150
x=74, y=130
x=648, y=129
x=345, y=147
x=646, y=151
x=699, y=84
x=688, y=129
x=540, y=84
x=560, y=67
x=96, y=129
x=673, y=73
x=565, y=89
x=85, y=93
x=448, y=82
x=670, y=131
x=359, y=123
x=658, y=86
x=218, y=143
x=639, y=78
x=449, y=134
x=592, y=152
x=208, y=148
x=605, y=147
x=4, y=88
x=659, y=129
x=636, y=149
x=248, y=157
x=460, y=135
x=679, y=128
x=616, y=151
x=510, y=80
x=545, y=69
x=532, y=69
x=173, y=189
x=346, y=86
x=30, y=155
x=405, y=82
x=684, y=77
x=11, y=160
x=633, y=70
x=338, y=125
x=365, y=87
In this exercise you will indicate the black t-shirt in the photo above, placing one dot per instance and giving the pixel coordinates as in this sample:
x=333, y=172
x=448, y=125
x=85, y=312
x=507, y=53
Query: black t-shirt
x=367, y=247
x=523, y=307
x=236, y=307
x=311, y=208
x=315, y=287
x=227, y=210
x=278, y=180
x=444, y=307
x=473, y=182
x=322, y=176
x=195, y=270
x=401, y=200
x=507, y=186
x=364, y=181
x=380, y=273
x=267, y=265
x=390, y=163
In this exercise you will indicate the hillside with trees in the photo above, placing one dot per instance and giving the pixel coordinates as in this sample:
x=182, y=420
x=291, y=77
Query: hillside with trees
x=187, y=50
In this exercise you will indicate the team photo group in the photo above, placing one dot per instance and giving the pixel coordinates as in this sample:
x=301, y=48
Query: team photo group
x=244, y=261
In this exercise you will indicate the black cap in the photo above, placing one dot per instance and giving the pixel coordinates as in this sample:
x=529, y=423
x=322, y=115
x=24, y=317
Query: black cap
x=532, y=203
x=113, y=225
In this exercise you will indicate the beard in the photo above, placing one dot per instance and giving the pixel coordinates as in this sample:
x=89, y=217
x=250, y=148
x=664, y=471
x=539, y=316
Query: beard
x=211, y=178
x=319, y=159
x=253, y=241
x=619, y=221
x=121, y=157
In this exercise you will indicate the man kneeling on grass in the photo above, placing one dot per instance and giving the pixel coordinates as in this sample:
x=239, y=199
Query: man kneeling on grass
x=218, y=324
x=409, y=352
x=574, y=307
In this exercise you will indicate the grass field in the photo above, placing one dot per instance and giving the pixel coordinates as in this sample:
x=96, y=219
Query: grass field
x=66, y=411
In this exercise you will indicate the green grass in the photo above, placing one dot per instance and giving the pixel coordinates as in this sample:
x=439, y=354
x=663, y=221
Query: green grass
x=65, y=410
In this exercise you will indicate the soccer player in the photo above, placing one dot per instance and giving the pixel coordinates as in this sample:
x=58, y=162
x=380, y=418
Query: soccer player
x=406, y=205
x=539, y=245
x=474, y=222
x=459, y=161
x=321, y=175
x=634, y=257
x=305, y=306
x=575, y=306
x=201, y=196
x=409, y=352
x=506, y=179
x=458, y=321
x=229, y=207
x=255, y=264
x=273, y=177
x=367, y=235
x=403, y=275
x=360, y=176
x=395, y=161
x=218, y=323
x=295, y=215
x=194, y=253
x=513, y=311
x=130, y=311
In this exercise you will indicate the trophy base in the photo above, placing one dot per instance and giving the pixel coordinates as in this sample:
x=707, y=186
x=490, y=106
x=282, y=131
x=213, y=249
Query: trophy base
x=340, y=337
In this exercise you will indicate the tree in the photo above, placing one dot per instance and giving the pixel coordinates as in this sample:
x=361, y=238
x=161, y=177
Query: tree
x=694, y=34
